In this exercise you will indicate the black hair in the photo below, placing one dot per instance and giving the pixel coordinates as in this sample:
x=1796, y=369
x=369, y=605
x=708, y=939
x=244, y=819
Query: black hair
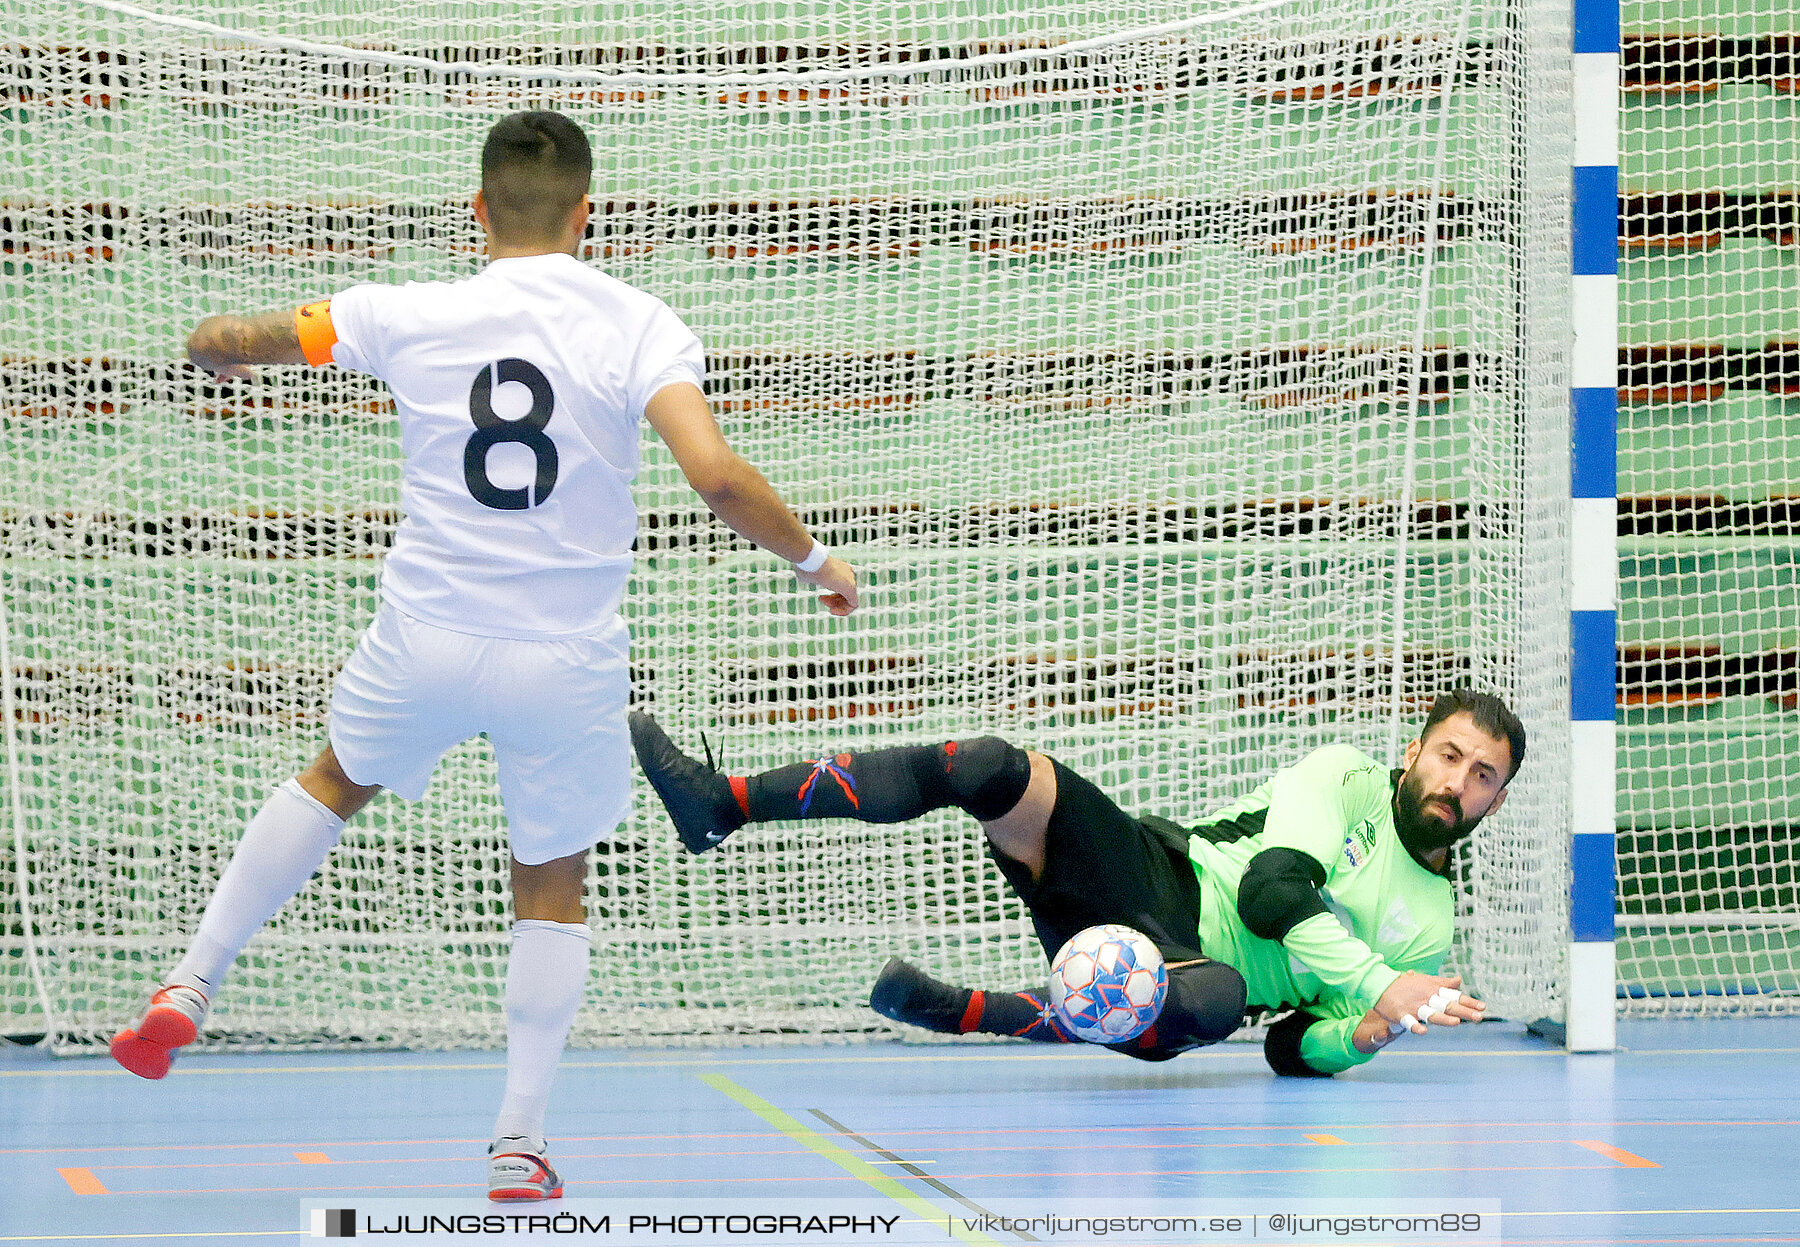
x=535, y=167
x=1489, y=713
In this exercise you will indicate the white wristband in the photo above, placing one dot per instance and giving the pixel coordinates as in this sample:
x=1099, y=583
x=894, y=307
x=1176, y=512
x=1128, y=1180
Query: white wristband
x=815, y=558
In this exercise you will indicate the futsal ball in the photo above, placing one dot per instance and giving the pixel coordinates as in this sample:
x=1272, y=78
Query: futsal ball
x=1108, y=984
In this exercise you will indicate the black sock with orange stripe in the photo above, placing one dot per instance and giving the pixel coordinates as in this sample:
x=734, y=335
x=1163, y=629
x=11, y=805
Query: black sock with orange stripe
x=985, y=777
x=908, y=994
x=1025, y=1014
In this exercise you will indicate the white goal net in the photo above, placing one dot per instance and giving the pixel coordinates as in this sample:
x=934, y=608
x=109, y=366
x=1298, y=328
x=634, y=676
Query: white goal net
x=1709, y=470
x=1186, y=381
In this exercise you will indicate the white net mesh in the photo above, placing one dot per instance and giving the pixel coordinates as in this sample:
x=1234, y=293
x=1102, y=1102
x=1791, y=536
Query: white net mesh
x=1191, y=396
x=1709, y=441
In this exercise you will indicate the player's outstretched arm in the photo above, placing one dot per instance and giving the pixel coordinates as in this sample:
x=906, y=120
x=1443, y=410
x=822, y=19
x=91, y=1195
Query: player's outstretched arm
x=227, y=345
x=738, y=494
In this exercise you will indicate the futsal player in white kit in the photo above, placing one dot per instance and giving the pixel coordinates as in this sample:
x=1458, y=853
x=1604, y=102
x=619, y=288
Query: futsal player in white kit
x=519, y=393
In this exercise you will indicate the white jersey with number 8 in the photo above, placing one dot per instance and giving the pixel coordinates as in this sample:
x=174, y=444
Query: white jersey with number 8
x=519, y=393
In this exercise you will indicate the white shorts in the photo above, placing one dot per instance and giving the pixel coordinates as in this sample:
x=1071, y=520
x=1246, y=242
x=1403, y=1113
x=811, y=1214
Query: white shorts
x=554, y=712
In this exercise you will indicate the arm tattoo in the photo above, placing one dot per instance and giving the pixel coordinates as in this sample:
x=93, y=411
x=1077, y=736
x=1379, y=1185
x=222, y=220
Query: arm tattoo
x=267, y=338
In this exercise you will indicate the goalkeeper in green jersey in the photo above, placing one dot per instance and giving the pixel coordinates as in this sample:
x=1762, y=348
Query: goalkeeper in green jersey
x=1322, y=894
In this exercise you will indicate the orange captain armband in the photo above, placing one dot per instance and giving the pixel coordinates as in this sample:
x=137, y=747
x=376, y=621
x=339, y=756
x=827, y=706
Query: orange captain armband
x=317, y=335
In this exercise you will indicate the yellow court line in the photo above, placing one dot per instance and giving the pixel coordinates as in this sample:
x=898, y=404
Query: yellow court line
x=1329, y=1140
x=852, y=1164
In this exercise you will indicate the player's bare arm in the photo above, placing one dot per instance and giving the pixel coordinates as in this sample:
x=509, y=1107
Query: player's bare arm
x=738, y=494
x=226, y=346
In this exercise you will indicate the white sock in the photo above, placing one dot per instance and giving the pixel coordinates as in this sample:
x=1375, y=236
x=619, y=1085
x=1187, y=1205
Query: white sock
x=546, y=978
x=285, y=843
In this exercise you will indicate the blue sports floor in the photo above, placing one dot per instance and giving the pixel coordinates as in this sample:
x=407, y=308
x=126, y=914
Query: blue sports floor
x=1690, y=1134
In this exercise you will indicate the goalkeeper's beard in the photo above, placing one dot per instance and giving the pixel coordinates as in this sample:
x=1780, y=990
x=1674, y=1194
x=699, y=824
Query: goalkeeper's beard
x=1423, y=833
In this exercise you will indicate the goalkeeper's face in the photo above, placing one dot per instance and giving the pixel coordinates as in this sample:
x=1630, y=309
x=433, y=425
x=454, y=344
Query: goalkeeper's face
x=1455, y=777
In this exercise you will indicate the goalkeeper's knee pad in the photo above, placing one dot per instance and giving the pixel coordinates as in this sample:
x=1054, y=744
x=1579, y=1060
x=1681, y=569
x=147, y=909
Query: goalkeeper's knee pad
x=985, y=777
x=1204, y=1006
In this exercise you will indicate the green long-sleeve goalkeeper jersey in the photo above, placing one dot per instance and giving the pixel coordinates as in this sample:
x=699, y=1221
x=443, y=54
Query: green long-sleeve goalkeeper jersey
x=1387, y=912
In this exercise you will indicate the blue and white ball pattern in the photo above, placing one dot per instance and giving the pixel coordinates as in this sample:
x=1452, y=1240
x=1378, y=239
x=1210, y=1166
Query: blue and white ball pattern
x=1108, y=984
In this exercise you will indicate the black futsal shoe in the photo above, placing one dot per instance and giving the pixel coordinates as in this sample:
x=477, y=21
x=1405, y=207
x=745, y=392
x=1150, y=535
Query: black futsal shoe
x=699, y=799
x=907, y=994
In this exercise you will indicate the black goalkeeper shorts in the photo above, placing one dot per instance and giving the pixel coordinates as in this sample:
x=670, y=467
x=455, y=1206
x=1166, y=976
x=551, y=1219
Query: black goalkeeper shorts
x=1102, y=865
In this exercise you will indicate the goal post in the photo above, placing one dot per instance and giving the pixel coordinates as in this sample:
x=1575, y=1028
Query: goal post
x=1191, y=387
x=1591, y=1009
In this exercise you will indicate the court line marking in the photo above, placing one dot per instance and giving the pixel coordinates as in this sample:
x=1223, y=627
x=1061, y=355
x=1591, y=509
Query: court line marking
x=945, y=1133
x=323, y=1192
x=561, y=1154
x=889, y=1158
x=189, y=1070
x=1238, y=1173
x=1627, y=1159
x=83, y=1181
x=1252, y=1053
x=851, y=1164
x=713, y=1180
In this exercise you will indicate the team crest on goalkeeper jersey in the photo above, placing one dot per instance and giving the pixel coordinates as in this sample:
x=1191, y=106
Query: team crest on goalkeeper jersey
x=1360, y=842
